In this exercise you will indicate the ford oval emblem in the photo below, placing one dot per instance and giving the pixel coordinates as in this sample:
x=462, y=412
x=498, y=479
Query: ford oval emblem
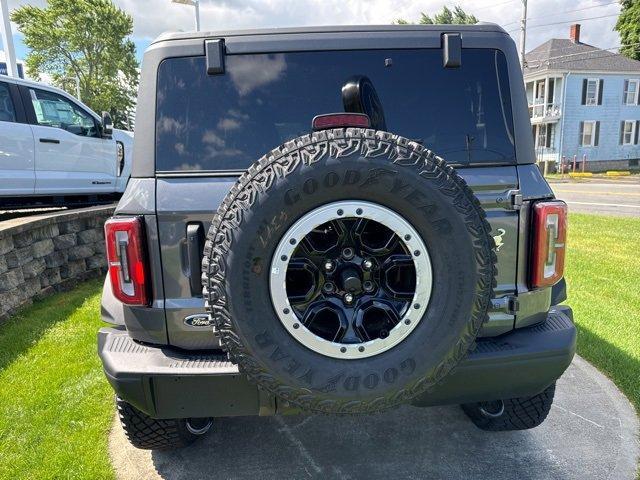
x=199, y=320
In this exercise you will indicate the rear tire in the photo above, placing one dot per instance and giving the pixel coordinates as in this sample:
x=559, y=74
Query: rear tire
x=149, y=433
x=520, y=413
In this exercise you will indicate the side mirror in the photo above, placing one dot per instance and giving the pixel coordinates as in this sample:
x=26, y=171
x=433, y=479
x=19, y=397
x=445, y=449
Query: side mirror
x=107, y=125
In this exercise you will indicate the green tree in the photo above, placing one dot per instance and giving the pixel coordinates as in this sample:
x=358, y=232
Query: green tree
x=628, y=26
x=458, y=16
x=87, y=40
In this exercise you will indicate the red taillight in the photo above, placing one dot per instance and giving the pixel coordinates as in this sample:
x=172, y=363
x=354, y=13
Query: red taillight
x=550, y=236
x=127, y=260
x=340, y=120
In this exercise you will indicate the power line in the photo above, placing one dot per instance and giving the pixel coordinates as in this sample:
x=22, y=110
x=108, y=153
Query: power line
x=575, y=10
x=495, y=5
x=563, y=12
x=565, y=22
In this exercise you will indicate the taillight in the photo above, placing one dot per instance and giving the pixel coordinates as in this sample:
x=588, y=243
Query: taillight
x=127, y=260
x=340, y=120
x=550, y=236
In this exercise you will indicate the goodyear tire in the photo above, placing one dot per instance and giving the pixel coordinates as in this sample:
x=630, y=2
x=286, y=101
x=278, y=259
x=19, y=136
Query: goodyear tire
x=393, y=215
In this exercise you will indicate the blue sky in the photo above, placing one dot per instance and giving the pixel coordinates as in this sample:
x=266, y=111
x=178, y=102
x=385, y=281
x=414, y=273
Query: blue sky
x=547, y=18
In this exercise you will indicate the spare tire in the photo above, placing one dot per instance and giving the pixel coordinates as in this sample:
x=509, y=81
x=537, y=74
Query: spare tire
x=349, y=270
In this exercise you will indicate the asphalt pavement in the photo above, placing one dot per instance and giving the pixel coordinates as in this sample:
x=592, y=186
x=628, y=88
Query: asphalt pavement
x=613, y=197
x=591, y=433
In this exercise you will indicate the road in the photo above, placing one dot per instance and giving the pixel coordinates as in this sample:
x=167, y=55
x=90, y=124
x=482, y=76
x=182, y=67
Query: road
x=620, y=198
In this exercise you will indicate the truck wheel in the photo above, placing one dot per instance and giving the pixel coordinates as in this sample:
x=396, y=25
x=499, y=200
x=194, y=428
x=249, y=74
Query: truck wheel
x=152, y=434
x=348, y=271
x=519, y=413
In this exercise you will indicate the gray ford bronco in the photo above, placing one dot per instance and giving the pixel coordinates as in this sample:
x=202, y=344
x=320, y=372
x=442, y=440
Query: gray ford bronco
x=333, y=220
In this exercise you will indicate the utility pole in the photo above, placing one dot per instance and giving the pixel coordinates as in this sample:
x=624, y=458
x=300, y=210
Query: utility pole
x=7, y=40
x=523, y=33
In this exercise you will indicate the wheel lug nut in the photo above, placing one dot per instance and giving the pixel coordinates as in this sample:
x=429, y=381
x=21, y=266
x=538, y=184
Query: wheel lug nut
x=368, y=286
x=329, y=287
x=328, y=265
x=367, y=264
x=348, y=298
x=348, y=253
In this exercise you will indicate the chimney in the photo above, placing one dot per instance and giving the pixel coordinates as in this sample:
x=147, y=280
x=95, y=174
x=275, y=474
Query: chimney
x=574, y=33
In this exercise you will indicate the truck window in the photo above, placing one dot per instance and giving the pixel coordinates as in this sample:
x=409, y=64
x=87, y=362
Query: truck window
x=53, y=110
x=226, y=122
x=7, y=111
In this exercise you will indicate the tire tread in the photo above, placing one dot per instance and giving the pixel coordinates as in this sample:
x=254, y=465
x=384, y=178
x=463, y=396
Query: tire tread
x=520, y=413
x=148, y=433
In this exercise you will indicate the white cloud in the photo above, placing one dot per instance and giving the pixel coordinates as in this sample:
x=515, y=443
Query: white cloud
x=152, y=17
x=249, y=74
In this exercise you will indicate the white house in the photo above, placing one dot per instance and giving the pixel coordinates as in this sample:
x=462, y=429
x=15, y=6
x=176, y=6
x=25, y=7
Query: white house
x=584, y=102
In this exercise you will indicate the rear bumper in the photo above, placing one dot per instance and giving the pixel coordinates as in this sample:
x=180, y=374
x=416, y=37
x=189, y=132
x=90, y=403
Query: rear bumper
x=167, y=383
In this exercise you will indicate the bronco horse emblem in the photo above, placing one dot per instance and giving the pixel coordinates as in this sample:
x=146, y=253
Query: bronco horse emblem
x=498, y=238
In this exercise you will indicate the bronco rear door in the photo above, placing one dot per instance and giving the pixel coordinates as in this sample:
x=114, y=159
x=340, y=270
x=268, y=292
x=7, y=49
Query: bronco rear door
x=210, y=128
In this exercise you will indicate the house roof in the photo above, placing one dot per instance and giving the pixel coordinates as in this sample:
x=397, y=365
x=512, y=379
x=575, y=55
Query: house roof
x=565, y=55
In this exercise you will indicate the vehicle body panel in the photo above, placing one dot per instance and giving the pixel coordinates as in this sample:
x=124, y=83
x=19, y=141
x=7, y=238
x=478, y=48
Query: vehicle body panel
x=176, y=209
x=75, y=164
x=17, y=158
x=16, y=143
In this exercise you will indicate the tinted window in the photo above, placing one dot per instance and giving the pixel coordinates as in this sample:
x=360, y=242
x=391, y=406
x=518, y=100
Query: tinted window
x=228, y=121
x=53, y=110
x=7, y=112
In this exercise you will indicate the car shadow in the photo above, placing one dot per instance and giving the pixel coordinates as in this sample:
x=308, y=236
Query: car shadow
x=406, y=443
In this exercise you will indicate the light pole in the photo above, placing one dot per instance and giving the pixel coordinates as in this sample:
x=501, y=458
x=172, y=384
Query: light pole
x=7, y=40
x=196, y=5
x=523, y=33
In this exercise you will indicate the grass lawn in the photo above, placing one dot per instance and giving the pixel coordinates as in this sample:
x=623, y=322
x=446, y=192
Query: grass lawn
x=55, y=404
x=603, y=268
x=56, y=407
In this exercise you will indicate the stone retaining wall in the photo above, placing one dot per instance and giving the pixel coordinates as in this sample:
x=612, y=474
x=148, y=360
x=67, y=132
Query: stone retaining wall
x=44, y=254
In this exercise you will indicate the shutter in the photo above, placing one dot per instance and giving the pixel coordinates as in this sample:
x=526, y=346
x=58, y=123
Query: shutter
x=596, y=135
x=637, y=131
x=625, y=89
x=584, y=91
x=600, y=84
x=621, y=132
x=581, y=133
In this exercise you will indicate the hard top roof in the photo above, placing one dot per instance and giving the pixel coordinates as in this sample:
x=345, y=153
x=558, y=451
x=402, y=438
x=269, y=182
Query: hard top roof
x=364, y=29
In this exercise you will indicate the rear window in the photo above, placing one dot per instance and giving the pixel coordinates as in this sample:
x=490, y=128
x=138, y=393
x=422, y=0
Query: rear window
x=226, y=122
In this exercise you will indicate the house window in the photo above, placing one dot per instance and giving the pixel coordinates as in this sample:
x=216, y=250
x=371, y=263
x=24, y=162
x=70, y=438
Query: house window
x=628, y=132
x=544, y=135
x=630, y=96
x=589, y=133
x=592, y=91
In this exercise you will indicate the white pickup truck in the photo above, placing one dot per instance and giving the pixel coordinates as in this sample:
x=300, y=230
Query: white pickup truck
x=54, y=150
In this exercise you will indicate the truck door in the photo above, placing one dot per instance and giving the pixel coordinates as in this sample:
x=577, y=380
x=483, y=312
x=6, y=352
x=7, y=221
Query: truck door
x=70, y=155
x=16, y=145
